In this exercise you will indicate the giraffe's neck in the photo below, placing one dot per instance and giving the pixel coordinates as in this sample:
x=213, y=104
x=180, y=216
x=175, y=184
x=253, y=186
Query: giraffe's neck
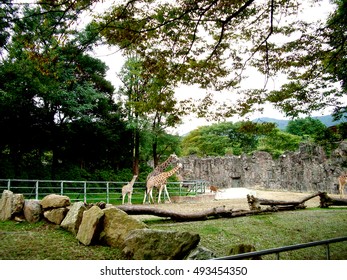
x=161, y=167
x=132, y=181
x=171, y=172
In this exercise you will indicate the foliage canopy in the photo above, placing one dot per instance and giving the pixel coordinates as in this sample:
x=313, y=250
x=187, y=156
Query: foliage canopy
x=212, y=43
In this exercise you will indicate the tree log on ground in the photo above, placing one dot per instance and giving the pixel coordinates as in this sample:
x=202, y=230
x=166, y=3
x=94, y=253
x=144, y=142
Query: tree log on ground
x=200, y=216
x=326, y=201
x=254, y=203
x=214, y=213
x=223, y=212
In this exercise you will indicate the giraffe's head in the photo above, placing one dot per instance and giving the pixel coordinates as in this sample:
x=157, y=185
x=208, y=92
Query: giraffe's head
x=174, y=158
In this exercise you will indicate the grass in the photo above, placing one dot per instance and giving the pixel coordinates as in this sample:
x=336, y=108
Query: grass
x=24, y=241
x=42, y=241
x=271, y=231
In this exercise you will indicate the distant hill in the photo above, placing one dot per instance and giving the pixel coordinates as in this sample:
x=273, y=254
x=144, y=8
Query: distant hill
x=282, y=124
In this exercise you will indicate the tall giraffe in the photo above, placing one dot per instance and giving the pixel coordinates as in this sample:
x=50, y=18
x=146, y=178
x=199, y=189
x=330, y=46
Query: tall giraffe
x=128, y=190
x=342, y=183
x=161, y=167
x=159, y=181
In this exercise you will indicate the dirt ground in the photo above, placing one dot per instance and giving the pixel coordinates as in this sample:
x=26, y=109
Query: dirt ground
x=238, y=203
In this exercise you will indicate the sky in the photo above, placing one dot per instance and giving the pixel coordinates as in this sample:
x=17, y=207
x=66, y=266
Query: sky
x=114, y=61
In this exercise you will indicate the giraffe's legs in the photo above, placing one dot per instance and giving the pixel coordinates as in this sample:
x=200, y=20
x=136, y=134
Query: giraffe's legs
x=341, y=190
x=159, y=194
x=148, y=194
x=163, y=187
x=129, y=198
x=167, y=193
x=145, y=197
x=151, y=196
x=123, y=198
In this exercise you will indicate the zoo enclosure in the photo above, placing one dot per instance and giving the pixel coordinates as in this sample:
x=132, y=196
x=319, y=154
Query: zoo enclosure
x=94, y=191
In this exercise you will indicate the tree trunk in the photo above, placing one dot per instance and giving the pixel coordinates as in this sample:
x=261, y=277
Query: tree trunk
x=214, y=213
x=254, y=202
x=136, y=152
x=326, y=201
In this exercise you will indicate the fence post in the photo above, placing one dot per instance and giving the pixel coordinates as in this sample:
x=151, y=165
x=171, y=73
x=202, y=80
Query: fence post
x=62, y=188
x=107, y=192
x=37, y=190
x=327, y=250
x=9, y=184
x=85, y=191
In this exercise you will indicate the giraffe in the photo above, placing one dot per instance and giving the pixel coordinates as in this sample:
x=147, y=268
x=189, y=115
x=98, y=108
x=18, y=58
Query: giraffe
x=161, y=167
x=342, y=183
x=128, y=190
x=159, y=181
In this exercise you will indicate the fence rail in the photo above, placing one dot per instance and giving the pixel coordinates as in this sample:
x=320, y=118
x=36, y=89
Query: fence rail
x=93, y=191
x=279, y=250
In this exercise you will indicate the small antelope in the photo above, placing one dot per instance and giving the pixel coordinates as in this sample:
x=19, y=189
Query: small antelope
x=214, y=189
x=342, y=183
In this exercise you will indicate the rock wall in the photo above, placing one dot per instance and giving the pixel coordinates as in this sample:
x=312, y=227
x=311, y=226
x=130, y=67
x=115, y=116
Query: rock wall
x=306, y=170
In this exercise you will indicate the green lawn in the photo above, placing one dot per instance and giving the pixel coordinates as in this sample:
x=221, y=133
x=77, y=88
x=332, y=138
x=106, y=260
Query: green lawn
x=24, y=241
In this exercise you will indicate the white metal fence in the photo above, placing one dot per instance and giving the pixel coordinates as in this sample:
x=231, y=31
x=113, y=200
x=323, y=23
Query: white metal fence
x=93, y=191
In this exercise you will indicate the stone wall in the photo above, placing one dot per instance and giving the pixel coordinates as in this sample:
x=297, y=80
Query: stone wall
x=306, y=170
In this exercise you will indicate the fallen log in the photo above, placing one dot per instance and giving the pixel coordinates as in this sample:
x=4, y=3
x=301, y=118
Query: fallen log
x=326, y=201
x=213, y=213
x=254, y=203
x=176, y=216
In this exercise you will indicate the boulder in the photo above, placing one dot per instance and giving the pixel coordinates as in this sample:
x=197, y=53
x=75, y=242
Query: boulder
x=117, y=225
x=55, y=201
x=243, y=248
x=17, y=204
x=148, y=244
x=32, y=210
x=10, y=205
x=201, y=253
x=73, y=219
x=6, y=205
x=89, y=231
x=55, y=215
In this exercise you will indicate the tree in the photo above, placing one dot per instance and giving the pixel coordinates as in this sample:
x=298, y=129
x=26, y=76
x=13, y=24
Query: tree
x=48, y=82
x=308, y=127
x=314, y=64
x=278, y=142
x=225, y=138
x=211, y=43
x=149, y=106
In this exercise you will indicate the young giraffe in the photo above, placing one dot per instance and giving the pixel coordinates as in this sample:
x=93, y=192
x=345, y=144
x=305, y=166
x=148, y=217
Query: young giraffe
x=161, y=167
x=342, y=183
x=159, y=182
x=128, y=190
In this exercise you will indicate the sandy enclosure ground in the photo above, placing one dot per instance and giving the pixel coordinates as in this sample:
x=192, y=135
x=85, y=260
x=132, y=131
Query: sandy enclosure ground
x=237, y=202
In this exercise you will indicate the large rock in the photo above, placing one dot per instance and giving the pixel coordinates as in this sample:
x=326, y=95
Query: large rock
x=55, y=201
x=148, y=244
x=89, y=231
x=56, y=215
x=73, y=219
x=17, y=204
x=10, y=205
x=243, y=248
x=117, y=225
x=6, y=205
x=32, y=211
x=201, y=253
